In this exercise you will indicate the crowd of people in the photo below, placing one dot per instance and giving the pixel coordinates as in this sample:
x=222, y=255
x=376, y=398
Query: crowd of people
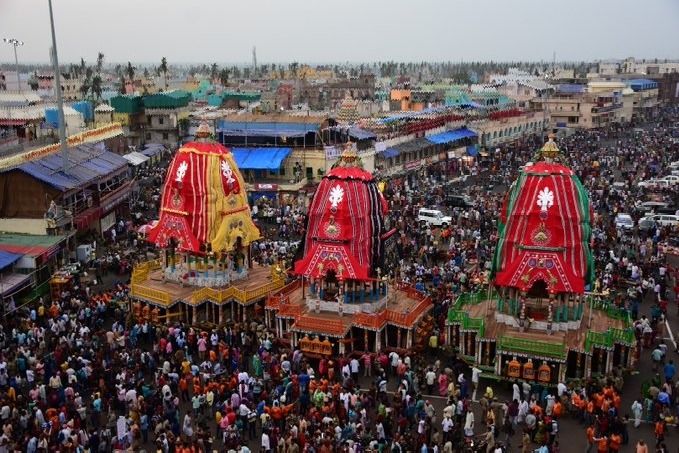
x=78, y=373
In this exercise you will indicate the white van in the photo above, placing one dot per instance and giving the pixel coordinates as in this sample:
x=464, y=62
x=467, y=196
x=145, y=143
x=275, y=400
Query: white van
x=434, y=217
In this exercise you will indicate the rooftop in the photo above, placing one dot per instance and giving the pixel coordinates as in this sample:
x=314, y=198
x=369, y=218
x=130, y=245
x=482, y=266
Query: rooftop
x=29, y=244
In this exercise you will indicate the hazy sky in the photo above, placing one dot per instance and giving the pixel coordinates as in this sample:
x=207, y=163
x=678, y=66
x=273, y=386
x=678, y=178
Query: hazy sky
x=223, y=31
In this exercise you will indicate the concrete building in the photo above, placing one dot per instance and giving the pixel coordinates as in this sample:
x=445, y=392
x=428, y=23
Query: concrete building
x=582, y=106
x=329, y=95
x=646, y=95
x=631, y=65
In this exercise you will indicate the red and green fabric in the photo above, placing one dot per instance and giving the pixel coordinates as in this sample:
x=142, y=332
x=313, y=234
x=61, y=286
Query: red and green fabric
x=544, y=232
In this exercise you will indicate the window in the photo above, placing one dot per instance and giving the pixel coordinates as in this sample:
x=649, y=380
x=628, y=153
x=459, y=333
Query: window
x=161, y=120
x=148, y=136
x=165, y=136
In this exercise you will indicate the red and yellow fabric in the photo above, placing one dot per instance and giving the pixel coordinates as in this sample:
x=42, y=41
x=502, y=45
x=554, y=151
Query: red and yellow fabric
x=204, y=201
x=544, y=232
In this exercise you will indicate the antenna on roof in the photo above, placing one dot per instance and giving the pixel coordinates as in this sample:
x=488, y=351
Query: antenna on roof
x=60, y=99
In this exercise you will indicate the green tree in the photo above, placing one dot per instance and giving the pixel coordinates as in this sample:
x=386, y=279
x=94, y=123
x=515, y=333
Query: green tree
x=84, y=88
x=130, y=71
x=96, y=87
x=121, y=87
x=224, y=76
x=214, y=72
x=293, y=67
x=100, y=62
x=82, y=68
x=163, y=70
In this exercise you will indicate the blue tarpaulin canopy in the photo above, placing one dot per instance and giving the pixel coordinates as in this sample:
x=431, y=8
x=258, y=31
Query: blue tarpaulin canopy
x=7, y=258
x=266, y=129
x=451, y=136
x=262, y=133
x=389, y=153
x=361, y=134
x=473, y=150
x=260, y=158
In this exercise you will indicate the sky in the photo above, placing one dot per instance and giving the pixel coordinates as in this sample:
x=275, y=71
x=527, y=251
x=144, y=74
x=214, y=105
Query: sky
x=317, y=31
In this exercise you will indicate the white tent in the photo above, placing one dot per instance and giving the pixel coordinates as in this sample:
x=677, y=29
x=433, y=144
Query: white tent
x=135, y=158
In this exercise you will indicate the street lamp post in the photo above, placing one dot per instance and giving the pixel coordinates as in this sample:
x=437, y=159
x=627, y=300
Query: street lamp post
x=16, y=43
x=60, y=98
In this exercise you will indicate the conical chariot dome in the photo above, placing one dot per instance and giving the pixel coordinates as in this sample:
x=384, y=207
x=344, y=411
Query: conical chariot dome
x=345, y=223
x=204, y=200
x=545, y=228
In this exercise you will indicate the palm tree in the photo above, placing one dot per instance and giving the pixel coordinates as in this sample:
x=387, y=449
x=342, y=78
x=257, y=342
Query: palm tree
x=214, y=72
x=224, y=76
x=83, y=66
x=84, y=88
x=96, y=87
x=130, y=71
x=100, y=62
x=163, y=69
x=294, y=66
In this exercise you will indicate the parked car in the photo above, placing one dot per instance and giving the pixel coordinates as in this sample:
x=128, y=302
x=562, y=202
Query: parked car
x=653, y=183
x=433, y=217
x=624, y=221
x=458, y=201
x=647, y=223
x=672, y=179
x=663, y=219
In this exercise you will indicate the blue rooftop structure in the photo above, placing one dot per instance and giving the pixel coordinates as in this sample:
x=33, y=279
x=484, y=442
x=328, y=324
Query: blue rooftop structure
x=643, y=84
x=403, y=116
x=7, y=258
x=87, y=164
x=572, y=88
x=451, y=136
x=361, y=134
x=260, y=158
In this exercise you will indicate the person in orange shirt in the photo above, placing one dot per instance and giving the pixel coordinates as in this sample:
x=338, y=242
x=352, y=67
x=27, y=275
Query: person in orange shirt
x=537, y=410
x=197, y=388
x=184, y=389
x=659, y=432
x=601, y=444
x=590, y=411
x=615, y=442
x=590, y=438
x=598, y=400
x=557, y=410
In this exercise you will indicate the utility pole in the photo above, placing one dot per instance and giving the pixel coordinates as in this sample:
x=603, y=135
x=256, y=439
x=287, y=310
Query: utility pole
x=254, y=60
x=60, y=98
x=16, y=43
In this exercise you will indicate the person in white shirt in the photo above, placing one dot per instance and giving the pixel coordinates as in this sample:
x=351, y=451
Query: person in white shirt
x=476, y=372
x=447, y=427
x=469, y=423
x=266, y=442
x=355, y=368
x=561, y=389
